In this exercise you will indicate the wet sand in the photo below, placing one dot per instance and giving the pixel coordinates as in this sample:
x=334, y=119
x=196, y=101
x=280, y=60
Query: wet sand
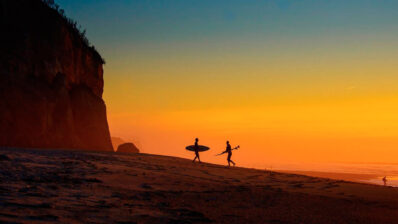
x=338, y=176
x=54, y=186
x=355, y=177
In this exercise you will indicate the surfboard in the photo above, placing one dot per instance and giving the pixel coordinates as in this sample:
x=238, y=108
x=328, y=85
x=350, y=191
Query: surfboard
x=202, y=148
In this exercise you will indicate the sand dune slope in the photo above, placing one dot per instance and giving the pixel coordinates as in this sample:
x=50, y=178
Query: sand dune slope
x=43, y=186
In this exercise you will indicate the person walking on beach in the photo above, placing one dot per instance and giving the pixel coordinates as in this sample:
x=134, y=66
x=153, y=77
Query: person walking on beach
x=385, y=180
x=229, y=151
x=196, y=150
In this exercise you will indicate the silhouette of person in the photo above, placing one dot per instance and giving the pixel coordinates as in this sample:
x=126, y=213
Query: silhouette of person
x=196, y=150
x=385, y=180
x=229, y=151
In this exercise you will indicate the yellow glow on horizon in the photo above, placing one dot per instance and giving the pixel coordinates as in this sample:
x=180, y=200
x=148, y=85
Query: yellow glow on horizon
x=365, y=131
x=303, y=101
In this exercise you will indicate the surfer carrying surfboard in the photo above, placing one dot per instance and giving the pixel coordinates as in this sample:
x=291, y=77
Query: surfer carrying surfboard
x=196, y=148
x=229, y=151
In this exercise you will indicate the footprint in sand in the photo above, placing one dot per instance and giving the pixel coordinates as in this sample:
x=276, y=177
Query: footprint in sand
x=297, y=185
x=146, y=186
x=48, y=218
x=330, y=185
x=4, y=158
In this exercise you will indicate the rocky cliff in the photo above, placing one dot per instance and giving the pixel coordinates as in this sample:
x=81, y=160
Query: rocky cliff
x=51, y=81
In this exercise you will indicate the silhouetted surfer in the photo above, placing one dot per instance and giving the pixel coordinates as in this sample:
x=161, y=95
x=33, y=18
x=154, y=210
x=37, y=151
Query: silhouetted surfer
x=229, y=151
x=385, y=181
x=196, y=150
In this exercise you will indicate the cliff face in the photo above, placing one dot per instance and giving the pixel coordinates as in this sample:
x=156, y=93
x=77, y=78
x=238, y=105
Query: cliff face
x=51, y=81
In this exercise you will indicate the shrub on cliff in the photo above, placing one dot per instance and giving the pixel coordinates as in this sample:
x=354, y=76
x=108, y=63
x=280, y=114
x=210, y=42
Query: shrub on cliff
x=73, y=27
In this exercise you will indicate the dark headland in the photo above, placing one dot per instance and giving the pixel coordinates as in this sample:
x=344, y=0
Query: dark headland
x=51, y=80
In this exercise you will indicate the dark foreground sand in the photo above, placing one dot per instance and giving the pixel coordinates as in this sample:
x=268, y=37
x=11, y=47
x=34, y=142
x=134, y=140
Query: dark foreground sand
x=43, y=186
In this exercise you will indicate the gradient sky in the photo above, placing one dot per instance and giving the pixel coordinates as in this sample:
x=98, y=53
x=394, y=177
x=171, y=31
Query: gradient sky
x=290, y=81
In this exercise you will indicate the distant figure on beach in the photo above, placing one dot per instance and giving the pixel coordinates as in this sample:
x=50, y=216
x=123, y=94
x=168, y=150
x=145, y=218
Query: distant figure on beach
x=385, y=180
x=196, y=150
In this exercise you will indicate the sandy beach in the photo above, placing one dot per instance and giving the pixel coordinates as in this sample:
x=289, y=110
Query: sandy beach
x=55, y=186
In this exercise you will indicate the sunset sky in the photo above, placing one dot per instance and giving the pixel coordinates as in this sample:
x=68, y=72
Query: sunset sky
x=289, y=81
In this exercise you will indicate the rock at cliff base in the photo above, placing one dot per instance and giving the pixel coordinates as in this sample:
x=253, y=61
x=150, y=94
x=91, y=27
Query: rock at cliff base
x=116, y=141
x=128, y=148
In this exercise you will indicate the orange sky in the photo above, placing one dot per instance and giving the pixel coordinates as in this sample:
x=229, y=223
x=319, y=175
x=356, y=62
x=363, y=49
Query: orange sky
x=289, y=81
x=283, y=104
x=299, y=106
x=344, y=131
